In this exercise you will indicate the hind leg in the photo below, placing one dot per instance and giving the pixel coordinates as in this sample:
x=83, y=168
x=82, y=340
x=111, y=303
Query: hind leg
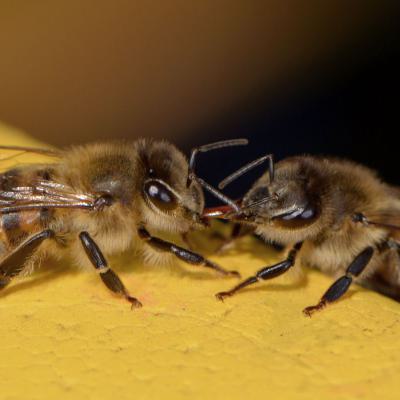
x=341, y=285
x=15, y=261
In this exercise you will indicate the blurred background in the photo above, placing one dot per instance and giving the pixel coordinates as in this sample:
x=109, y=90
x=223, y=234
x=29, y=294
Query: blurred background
x=293, y=77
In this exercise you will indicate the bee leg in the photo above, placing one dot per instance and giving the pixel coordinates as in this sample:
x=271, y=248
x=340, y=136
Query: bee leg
x=183, y=254
x=238, y=231
x=107, y=275
x=15, y=261
x=269, y=272
x=340, y=286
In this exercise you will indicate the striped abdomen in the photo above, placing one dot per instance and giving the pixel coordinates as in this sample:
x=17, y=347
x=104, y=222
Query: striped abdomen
x=17, y=226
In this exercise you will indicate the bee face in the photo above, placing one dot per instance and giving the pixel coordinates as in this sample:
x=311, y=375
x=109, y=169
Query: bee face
x=288, y=201
x=163, y=198
x=165, y=191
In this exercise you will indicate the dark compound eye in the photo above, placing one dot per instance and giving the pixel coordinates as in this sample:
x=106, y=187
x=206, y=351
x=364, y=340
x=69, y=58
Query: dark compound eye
x=160, y=195
x=297, y=218
x=307, y=213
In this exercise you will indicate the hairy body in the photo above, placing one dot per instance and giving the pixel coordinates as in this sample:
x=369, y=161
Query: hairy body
x=332, y=210
x=97, y=200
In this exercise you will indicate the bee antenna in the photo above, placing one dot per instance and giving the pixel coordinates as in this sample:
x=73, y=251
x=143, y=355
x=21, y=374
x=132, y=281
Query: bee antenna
x=207, y=147
x=241, y=171
x=250, y=206
x=219, y=195
x=259, y=202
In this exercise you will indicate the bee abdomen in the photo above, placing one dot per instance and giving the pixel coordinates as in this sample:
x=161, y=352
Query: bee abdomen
x=9, y=179
x=17, y=226
x=11, y=224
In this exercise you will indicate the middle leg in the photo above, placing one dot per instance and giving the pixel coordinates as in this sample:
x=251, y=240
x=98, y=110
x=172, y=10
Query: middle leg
x=265, y=273
x=183, y=254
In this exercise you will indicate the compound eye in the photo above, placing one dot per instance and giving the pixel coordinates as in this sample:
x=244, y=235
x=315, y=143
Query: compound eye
x=308, y=213
x=160, y=195
x=294, y=214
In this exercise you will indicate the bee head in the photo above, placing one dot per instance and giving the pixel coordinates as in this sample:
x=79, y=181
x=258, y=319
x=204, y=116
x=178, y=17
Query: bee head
x=172, y=193
x=284, y=197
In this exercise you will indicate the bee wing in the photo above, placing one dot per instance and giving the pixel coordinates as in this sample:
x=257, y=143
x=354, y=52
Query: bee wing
x=43, y=194
x=390, y=218
x=8, y=153
x=36, y=150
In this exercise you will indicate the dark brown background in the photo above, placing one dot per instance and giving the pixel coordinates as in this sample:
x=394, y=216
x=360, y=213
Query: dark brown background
x=74, y=71
x=292, y=76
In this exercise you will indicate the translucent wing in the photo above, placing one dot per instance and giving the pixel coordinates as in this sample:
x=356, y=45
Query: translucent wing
x=390, y=218
x=40, y=193
x=43, y=194
x=11, y=155
x=389, y=221
x=22, y=149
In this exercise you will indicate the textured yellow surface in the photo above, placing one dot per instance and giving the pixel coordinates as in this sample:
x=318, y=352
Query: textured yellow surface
x=64, y=336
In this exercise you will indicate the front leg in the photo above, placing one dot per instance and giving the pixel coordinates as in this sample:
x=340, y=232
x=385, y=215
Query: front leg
x=183, y=254
x=107, y=275
x=265, y=273
x=341, y=285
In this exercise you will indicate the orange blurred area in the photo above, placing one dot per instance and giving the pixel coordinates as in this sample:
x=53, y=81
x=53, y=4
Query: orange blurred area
x=73, y=71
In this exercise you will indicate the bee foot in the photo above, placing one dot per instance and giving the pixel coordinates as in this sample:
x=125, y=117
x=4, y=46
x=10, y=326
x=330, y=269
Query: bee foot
x=224, y=272
x=135, y=303
x=221, y=295
x=236, y=274
x=221, y=270
x=309, y=311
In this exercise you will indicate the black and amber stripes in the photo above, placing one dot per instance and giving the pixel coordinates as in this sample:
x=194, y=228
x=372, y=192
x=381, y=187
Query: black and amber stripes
x=15, y=227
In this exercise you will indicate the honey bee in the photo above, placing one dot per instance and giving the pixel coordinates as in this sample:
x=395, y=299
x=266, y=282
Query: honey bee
x=331, y=214
x=96, y=200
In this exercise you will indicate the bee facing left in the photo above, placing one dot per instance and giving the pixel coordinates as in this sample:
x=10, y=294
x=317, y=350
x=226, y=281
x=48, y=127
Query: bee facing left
x=97, y=200
x=331, y=214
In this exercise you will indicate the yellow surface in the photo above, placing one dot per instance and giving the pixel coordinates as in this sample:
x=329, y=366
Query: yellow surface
x=64, y=336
